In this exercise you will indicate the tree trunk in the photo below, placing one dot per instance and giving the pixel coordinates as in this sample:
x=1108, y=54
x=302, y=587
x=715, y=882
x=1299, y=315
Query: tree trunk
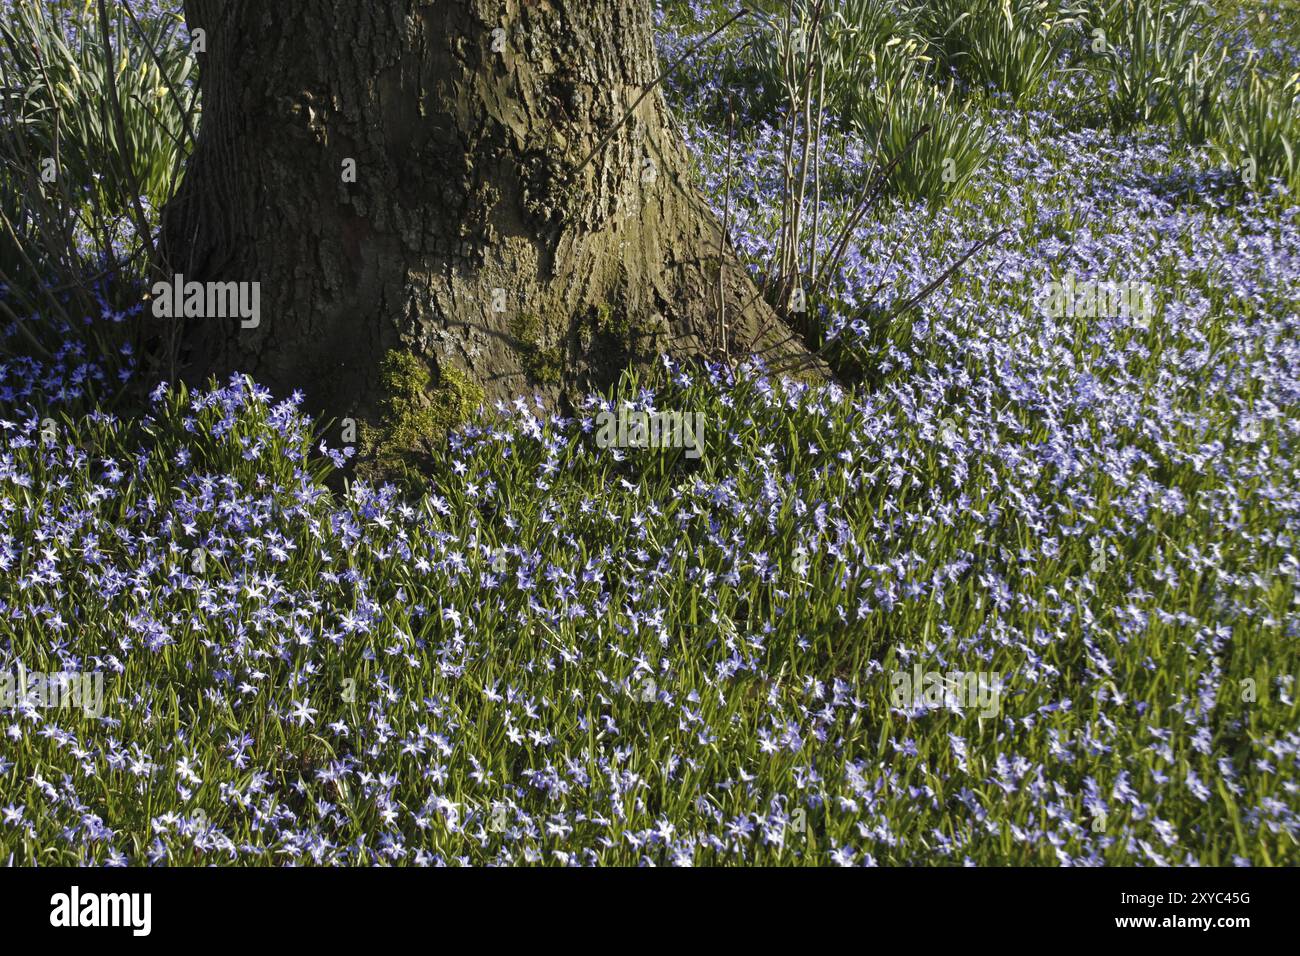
x=473, y=234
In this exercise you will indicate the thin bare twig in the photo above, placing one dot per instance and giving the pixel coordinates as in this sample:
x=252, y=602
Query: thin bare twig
x=668, y=71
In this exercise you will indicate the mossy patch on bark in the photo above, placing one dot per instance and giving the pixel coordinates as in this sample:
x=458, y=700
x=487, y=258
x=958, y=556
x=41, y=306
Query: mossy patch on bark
x=416, y=415
x=544, y=365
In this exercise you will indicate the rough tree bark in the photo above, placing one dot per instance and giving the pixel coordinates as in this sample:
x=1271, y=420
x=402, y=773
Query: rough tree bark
x=473, y=234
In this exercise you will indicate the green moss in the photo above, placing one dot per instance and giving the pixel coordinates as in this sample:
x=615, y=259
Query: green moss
x=544, y=365
x=605, y=331
x=605, y=322
x=415, y=416
x=527, y=330
x=627, y=334
x=621, y=327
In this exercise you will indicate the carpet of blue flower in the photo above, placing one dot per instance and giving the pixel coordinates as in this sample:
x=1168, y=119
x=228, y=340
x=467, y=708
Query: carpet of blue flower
x=567, y=654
